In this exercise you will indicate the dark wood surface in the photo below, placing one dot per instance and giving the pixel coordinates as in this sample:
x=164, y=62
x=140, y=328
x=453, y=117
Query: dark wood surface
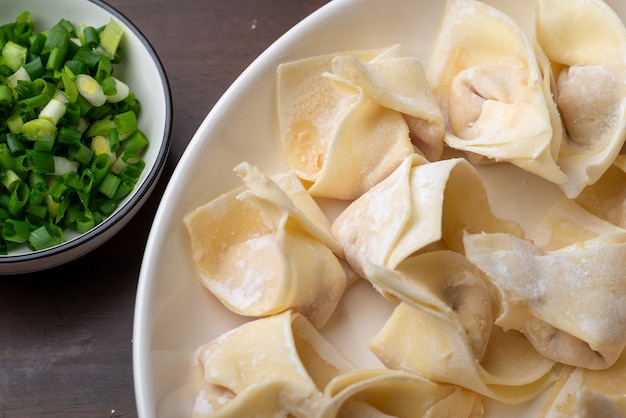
x=66, y=333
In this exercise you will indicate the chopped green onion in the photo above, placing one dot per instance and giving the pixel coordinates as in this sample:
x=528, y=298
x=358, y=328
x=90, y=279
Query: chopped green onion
x=83, y=105
x=53, y=111
x=90, y=37
x=44, y=143
x=69, y=84
x=15, y=144
x=38, y=210
x=34, y=102
x=70, y=147
x=20, y=74
x=40, y=162
x=33, y=128
x=10, y=180
x=57, y=38
x=121, y=92
x=6, y=95
x=102, y=145
x=35, y=68
x=19, y=198
x=125, y=123
x=66, y=26
x=56, y=58
x=20, y=166
x=124, y=188
x=76, y=67
x=114, y=140
x=15, y=231
x=37, y=192
x=104, y=70
x=136, y=142
x=85, y=221
x=37, y=44
x=90, y=89
x=72, y=115
x=100, y=167
x=41, y=238
x=68, y=136
x=100, y=127
x=108, y=86
x=80, y=152
x=15, y=123
x=110, y=37
x=6, y=159
x=57, y=189
x=109, y=185
x=108, y=206
x=87, y=57
x=14, y=55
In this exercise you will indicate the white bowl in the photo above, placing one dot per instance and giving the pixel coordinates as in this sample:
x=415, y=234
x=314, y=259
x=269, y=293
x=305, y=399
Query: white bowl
x=142, y=70
x=174, y=314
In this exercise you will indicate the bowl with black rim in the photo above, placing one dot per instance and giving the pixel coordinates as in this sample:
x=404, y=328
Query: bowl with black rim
x=74, y=192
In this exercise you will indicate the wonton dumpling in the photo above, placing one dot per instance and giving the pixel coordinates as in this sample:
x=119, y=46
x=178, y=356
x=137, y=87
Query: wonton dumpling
x=266, y=248
x=570, y=303
x=586, y=43
x=383, y=393
x=274, y=366
x=443, y=330
x=420, y=204
x=336, y=137
x=493, y=90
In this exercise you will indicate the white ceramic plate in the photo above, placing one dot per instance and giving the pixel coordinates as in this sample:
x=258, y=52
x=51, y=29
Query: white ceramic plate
x=174, y=314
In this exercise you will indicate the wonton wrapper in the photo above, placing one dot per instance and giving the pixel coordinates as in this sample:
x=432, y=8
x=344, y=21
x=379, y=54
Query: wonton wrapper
x=267, y=248
x=399, y=83
x=567, y=223
x=273, y=366
x=442, y=330
x=586, y=43
x=391, y=393
x=495, y=92
x=606, y=198
x=584, y=393
x=420, y=204
x=570, y=303
x=336, y=137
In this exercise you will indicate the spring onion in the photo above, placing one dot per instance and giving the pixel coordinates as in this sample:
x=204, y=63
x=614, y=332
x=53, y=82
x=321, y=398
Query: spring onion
x=90, y=89
x=70, y=145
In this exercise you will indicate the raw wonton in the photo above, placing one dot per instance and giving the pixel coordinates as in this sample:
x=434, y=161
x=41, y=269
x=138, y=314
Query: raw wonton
x=334, y=135
x=494, y=92
x=419, y=205
x=391, y=393
x=570, y=303
x=443, y=330
x=266, y=248
x=586, y=43
x=274, y=366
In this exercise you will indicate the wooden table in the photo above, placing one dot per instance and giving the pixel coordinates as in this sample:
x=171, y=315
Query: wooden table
x=66, y=334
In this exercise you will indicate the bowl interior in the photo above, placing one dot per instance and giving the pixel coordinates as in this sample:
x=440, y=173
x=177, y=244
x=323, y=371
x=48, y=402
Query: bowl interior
x=142, y=70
